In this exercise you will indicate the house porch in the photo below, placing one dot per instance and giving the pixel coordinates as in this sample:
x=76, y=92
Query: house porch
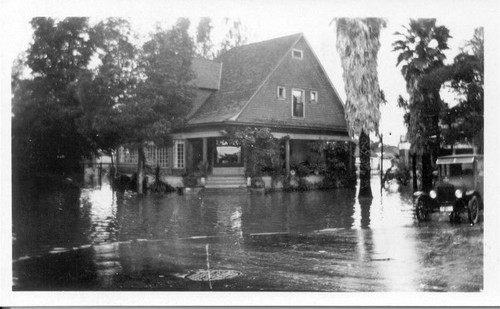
x=208, y=154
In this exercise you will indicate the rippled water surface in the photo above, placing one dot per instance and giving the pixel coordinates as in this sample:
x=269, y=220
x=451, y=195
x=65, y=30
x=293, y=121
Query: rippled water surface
x=317, y=240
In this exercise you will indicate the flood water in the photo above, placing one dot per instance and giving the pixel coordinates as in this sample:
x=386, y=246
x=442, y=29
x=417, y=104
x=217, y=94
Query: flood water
x=284, y=241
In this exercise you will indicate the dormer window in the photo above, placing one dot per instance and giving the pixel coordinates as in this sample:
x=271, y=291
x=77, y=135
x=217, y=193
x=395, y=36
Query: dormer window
x=297, y=54
x=281, y=93
x=314, y=96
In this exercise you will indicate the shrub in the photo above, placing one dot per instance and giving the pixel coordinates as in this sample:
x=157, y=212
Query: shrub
x=316, y=164
x=337, y=171
x=301, y=168
x=263, y=151
x=189, y=181
x=158, y=185
x=203, y=168
x=257, y=182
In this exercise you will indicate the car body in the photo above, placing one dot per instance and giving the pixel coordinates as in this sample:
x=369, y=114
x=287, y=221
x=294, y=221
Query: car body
x=457, y=189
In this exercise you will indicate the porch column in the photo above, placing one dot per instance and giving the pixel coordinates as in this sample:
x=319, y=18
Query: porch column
x=287, y=156
x=188, y=154
x=205, y=149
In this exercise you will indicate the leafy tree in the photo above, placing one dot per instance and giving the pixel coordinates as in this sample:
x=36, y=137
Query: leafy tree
x=358, y=45
x=45, y=136
x=101, y=92
x=204, y=44
x=421, y=52
x=462, y=123
x=207, y=48
x=236, y=36
x=162, y=99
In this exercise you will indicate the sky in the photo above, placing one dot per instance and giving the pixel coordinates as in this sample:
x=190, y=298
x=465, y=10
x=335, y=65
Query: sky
x=270, y=19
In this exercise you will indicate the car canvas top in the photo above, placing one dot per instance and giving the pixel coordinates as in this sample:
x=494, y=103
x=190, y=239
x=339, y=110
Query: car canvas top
x=458, y=159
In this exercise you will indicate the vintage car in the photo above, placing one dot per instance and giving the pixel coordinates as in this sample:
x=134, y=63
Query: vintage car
x=458, y=189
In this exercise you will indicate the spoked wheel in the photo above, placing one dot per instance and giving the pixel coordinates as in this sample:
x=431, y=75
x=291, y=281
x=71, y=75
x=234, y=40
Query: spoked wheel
x=474, y=210
x=421, y=210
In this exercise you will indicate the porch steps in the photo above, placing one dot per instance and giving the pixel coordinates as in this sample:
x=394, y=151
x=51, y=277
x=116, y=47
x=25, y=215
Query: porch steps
x=225, y=182
x=228, y=171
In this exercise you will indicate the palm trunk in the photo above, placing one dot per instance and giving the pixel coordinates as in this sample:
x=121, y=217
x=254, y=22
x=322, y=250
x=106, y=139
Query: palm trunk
x=365, y=189
x=140, y=168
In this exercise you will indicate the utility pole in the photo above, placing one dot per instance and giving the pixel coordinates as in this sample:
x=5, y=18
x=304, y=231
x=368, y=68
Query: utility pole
x=381, y=161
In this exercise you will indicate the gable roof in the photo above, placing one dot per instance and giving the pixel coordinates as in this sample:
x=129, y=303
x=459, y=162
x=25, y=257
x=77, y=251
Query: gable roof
x=244, y=70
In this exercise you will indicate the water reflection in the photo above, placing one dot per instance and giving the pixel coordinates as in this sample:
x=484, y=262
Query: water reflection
x=101, y=215
x=324, y=240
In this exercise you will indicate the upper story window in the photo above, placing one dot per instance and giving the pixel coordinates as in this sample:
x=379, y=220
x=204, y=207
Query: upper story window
x=314, y=96
x=298, y=103
x=297, y=54
x=281, y=93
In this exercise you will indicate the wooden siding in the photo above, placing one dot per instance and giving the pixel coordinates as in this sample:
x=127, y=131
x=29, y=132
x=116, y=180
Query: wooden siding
x=303, y=74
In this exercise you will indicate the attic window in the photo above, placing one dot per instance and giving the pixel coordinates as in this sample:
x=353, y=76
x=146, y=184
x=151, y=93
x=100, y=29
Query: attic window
x=281, y=93
x=314, y=96
x=297, y=54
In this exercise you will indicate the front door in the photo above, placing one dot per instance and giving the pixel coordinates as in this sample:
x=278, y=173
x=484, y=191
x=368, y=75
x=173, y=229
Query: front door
x=197, y=147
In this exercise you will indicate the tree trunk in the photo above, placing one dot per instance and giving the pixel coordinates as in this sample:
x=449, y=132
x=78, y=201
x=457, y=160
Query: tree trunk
x=140, y=168
x=112, y=170
x=365, y=189
x=414, y=171
x=365, y=205
x=426, y=172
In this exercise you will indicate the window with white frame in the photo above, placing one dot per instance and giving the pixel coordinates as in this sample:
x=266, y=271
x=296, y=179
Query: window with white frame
x=297, y=54
x=297, y=103
x=314, y=96
x=131, y=156
x=162, y=157
x=281, y=92
x=179, y=154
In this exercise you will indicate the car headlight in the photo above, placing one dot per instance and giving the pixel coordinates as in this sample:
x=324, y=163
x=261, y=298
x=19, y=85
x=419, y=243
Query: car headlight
x=433, y=194
x=458, y=193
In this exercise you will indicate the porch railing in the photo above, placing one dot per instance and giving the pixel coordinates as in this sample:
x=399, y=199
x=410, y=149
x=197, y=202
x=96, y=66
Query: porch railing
x=131, y=168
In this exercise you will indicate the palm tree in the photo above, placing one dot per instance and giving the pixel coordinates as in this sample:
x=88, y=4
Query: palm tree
x=421, y=46
x=358, y=44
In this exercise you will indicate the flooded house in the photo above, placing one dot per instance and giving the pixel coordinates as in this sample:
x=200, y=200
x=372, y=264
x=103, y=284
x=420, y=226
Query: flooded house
x=278, y=84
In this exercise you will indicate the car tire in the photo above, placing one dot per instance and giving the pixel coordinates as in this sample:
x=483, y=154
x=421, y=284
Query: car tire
x=421, y=210
x=474, y=210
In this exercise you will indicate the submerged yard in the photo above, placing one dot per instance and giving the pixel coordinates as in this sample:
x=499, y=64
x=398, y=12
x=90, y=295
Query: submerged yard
x=298, y=241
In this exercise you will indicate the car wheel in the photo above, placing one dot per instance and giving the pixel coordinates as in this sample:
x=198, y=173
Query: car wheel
x=421, y=210
x=474, y=210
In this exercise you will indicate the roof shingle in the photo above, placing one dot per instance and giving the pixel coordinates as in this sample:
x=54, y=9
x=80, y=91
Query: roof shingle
x=244, y=69
x=207, y=73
